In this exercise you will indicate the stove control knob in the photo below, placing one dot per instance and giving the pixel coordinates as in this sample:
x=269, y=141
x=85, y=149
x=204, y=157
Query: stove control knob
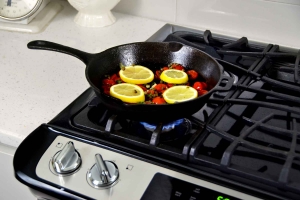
x=67, y=160
x=103, y=174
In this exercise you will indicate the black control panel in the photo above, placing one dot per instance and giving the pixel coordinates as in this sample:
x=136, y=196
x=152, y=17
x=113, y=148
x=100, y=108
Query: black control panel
x=163, y=187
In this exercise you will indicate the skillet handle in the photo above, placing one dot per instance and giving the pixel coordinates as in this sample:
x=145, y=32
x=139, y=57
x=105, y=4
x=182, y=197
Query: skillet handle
x=228, y=84
x=51, y=46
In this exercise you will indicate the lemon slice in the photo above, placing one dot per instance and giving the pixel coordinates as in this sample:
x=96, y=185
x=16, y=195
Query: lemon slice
x=180, y=93
x=174, y=76
x=136, y=74
x=127, y=92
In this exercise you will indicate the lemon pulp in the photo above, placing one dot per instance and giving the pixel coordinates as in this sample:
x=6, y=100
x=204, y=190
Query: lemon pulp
x=174, y=76
x=179, y=94
x=127, y=92
x=136, y=74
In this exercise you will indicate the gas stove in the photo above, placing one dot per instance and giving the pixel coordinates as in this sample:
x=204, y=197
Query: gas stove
x=242, y=144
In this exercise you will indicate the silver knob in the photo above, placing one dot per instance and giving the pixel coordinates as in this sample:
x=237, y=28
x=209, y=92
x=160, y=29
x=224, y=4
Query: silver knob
x=67, y=160
x=103, y=173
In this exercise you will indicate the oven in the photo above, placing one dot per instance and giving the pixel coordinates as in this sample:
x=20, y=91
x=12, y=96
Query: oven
x=242, y=144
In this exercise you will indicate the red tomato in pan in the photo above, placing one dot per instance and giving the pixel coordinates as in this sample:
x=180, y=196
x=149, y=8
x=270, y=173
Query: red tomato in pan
x=200, y=86
x=143, y=87
x=177, y=66
x=157, y=74
x=160, y=87
x=158, y=100
x=202, y=92
x=164, y=68
x=193, y=75
x=108, y=82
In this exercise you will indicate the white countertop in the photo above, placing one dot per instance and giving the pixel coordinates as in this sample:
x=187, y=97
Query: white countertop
x=36, y=85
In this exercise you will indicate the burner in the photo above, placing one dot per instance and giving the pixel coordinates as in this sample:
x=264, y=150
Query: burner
x=166, y=127
x=170, y=131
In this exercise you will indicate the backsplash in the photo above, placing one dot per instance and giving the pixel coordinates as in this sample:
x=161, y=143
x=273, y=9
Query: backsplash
x=265, y=21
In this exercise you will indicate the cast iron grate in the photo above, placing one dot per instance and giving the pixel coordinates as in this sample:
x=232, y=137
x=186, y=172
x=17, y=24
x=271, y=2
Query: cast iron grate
x=255, y=135
x=101, y=123
x=97, y=119
x=285, y=69
x=217, y=47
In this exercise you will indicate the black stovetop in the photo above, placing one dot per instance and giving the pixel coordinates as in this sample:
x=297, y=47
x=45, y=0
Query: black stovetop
x=248, y=135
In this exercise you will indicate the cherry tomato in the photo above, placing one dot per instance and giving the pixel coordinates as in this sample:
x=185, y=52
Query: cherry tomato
x=170, y=85
x=151, y=93
x=158, y=100
x=198, y=86
x=157, y=74
x=164, y=68
x=204, y=86
x=106, y=90
x=193, y=75
x=202, y=92
x=108, y=82
x=114, y=77
x=177, y=66
x=143, y=87
x=160, y=87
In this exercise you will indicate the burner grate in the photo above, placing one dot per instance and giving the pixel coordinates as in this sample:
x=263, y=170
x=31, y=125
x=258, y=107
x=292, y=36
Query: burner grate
x=284, y=158
x=99, y=122
x=284, y=68
x=255, y=135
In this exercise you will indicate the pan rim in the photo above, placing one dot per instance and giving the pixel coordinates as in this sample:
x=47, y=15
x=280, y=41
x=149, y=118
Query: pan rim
x=128, y=105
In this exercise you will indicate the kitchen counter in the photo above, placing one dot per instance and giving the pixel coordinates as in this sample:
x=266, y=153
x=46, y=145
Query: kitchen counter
x=36, y=85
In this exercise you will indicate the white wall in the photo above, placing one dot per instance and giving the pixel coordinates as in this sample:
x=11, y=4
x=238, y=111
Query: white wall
x=268, y=21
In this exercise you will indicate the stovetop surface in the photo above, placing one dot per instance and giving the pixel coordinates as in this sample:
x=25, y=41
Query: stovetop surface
x=249, y=134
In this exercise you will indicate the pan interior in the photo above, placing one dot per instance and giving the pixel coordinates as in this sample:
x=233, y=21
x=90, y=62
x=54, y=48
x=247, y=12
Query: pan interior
x=153, y=56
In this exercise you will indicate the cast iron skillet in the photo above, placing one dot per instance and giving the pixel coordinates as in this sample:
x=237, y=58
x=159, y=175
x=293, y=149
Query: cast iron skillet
x=152, y=55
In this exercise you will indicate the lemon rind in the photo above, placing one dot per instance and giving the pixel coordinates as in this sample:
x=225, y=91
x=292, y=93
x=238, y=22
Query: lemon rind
x=167, y=79
x=128, y=99
x=172, y=101
x=137, y=81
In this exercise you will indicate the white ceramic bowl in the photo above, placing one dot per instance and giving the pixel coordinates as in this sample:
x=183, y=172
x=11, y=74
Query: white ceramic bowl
x=94, y=13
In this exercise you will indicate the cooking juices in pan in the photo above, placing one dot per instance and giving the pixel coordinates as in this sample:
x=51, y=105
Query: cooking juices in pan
x=154, y=86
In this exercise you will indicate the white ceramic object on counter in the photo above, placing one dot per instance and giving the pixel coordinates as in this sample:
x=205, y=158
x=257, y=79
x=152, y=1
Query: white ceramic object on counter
x=94, y=13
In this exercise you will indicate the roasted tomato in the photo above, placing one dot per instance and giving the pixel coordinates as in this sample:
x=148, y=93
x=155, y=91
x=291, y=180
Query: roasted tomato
x=151, y=93
x=108, y=82
x=160, y=87
x=164, y=68
x=170, y=85
x=199, y=85
x=202, y=92
x=143, y=87
x=115, y=77
x=158, y=100
x=204, y=86
x=157, y=74
x=193, y=75
x=176, y=66
x=106, y=90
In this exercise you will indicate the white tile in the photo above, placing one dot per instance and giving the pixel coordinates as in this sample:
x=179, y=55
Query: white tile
x=155, y=9
x=295, y=2
x=262, y=21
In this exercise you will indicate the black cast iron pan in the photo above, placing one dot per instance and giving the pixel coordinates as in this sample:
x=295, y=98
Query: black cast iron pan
x=152, y=55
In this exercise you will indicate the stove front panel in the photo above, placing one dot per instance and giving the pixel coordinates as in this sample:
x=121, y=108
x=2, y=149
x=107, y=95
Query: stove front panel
x=134, y=179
